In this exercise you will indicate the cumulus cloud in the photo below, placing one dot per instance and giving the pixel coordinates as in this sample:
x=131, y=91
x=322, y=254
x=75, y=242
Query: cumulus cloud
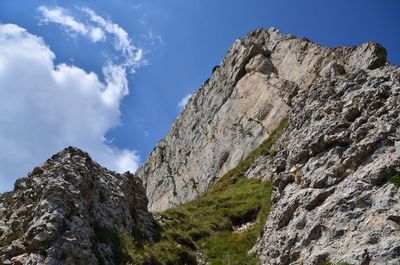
x=45, y=107
x=182, y=103
x=96, y=28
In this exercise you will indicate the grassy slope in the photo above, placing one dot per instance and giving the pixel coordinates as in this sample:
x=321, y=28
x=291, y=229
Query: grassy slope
x=206, y=224
x=208, y=221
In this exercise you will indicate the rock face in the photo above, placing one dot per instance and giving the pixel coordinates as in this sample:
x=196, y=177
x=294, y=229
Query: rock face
x=51, y=216
x=332, y=198
x=231, y=114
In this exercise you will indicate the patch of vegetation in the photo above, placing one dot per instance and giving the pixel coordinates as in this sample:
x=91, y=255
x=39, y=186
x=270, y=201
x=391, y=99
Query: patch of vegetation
x=356, y=99
x=122, y=245
x=208, y=221
x=207, y=224
x=395, y=180
x=316, y=77
x=6, y=197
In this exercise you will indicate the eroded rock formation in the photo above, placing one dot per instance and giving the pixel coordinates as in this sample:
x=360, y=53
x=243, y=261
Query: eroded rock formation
x=332, y=200
x=51, y=216
x=231, y=114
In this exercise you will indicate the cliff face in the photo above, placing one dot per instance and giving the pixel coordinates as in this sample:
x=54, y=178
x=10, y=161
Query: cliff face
x=53, y=216
x=236, y=109
x=332, y=198
x=230, y=115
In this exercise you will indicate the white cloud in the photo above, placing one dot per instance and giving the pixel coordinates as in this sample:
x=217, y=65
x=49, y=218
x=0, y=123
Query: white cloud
x=96, y=28
x=45, y=107
x=62, y=17
x=97, y=34
x=182, y=103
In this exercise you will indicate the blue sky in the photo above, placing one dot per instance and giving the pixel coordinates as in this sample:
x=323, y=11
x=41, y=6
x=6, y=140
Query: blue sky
x=181, y=41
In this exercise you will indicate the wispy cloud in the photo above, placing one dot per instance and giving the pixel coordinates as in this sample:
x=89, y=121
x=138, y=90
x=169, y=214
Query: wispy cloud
x=96, y=28
x=153, y=38
x=122, y=43
x=70, y=25
x=182, y=103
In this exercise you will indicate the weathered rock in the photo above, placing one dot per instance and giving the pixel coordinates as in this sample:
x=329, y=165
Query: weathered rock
x=51, y=215
x=332, y=199
x=370, y=56
x=340, y=151
x=260, y=63
x=231, y=114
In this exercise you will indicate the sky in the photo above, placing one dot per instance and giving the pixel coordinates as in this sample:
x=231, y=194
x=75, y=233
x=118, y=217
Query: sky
x=110, y=77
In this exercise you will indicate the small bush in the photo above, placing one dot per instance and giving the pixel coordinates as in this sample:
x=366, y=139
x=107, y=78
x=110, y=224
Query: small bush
x=395, y=180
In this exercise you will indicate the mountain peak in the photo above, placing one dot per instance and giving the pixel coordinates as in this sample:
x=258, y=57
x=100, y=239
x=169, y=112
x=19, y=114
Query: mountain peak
x=61, y=203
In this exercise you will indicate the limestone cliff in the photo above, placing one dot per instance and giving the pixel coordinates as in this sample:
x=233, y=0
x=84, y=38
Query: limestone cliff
x=230, y=115
x=52, y=215
x=332, y=198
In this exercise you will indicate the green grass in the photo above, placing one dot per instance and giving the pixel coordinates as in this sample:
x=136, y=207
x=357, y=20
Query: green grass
x=122, y=245
x=208, y=221
x=395, y=180
x=206, y=225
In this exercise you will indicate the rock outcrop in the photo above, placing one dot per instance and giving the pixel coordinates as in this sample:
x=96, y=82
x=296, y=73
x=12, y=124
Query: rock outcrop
x=230, y=115
x=52, y=215
x=332, y=199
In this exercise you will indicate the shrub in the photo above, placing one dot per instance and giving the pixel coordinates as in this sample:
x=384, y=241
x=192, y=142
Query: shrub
x=395, y=180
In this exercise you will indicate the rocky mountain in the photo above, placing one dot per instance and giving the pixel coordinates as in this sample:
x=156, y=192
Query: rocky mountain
x=317, y=127
x=54, y=215
x=230, y=115
x=332, y=198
